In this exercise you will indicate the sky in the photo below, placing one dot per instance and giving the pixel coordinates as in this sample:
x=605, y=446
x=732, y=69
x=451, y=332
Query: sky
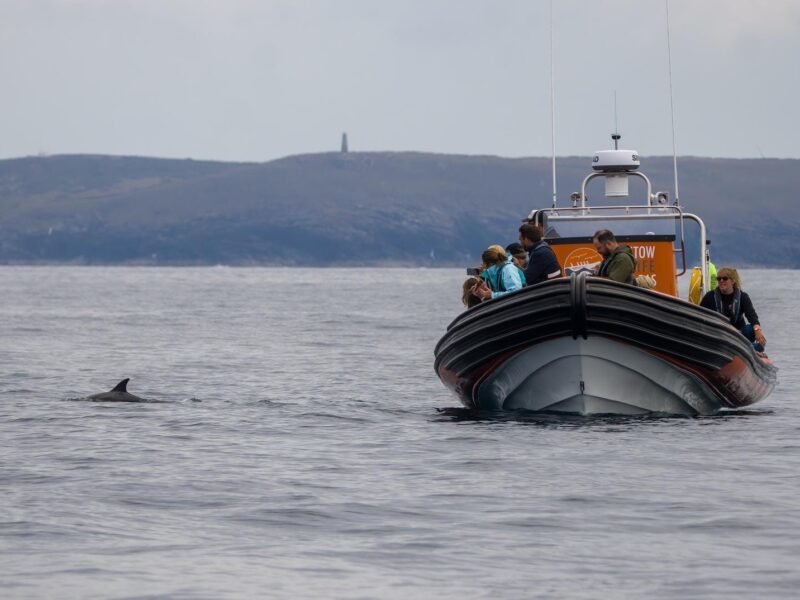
x=256, y=80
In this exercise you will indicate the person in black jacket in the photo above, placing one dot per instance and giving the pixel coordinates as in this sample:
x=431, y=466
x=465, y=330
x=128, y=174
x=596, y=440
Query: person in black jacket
x=542, y=262
x=729, y=300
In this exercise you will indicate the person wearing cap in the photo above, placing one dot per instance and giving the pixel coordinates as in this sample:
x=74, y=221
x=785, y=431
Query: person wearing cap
x=518, y=256
x=542, y=261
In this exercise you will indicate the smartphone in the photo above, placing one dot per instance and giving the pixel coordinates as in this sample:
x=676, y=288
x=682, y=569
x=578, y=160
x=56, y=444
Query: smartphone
x=473, y=271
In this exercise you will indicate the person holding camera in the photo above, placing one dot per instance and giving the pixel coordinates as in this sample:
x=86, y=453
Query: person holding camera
x=500, y=274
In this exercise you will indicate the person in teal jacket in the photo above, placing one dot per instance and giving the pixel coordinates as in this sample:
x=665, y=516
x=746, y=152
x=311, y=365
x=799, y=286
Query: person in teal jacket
x=500, y=274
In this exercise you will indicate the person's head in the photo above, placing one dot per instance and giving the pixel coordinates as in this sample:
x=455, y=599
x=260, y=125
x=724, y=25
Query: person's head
x=728, y=280
x=467, y=297
x=518, y=254
x=494, y=255
x=529, y=234
x=604, y=242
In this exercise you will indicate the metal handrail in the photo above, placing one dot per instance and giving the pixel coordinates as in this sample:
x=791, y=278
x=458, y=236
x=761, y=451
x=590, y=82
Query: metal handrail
x=591, y=176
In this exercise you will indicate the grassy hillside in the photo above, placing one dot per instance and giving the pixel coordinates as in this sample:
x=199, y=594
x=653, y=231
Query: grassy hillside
x=356, y=208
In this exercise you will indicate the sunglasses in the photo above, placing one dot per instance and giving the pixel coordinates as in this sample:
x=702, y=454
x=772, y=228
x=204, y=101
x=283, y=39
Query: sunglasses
x=723, y=278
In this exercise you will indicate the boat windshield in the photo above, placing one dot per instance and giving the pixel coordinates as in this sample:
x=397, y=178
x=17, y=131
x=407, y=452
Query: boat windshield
x=654, y=235
x=573, y=226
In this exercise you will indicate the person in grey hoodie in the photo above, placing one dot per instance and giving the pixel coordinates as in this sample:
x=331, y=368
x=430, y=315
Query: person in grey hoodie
x=618, y=261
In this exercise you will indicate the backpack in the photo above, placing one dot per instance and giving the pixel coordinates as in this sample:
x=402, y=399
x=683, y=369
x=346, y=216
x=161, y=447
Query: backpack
x=496, y=284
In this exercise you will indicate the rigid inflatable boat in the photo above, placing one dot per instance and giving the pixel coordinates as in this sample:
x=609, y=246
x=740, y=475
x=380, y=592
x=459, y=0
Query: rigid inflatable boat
x=588, y=345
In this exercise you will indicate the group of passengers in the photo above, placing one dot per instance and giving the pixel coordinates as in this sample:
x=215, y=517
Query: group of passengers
x=532, y=261
x=505, y=270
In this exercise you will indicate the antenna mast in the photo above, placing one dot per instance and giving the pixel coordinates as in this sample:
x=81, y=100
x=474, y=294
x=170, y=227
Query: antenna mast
x=672, y=111
x=552, y=106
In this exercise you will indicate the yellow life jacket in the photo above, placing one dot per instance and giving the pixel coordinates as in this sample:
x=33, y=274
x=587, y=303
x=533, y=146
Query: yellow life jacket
x=696, y=285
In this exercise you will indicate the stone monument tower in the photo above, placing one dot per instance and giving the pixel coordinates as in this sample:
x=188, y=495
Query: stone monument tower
x=344, y=142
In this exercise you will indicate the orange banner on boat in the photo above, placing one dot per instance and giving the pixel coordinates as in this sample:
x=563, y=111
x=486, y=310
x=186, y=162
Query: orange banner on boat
x=656, y=259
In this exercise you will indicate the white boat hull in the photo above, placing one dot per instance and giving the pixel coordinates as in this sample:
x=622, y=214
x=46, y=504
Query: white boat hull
x=593, y=376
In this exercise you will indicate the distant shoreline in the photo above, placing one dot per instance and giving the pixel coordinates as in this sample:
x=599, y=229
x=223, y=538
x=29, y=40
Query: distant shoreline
x=382, y=209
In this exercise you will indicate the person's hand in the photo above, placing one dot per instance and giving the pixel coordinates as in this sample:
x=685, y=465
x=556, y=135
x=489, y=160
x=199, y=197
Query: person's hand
x=760, y=337
x=481, y=290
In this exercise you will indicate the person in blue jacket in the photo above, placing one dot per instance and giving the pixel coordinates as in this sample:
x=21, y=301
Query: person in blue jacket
x=542, y=261
x=500, y=274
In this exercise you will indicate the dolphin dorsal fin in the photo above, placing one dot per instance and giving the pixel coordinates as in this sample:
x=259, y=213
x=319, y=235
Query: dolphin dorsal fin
x=122, y=386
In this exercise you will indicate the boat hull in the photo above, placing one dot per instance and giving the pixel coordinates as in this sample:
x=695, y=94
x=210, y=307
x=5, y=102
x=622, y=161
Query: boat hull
x=592, y=346
x=593, y=376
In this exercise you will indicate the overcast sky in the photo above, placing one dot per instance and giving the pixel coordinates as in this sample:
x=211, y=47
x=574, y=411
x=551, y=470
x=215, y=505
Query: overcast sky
x=255, y=80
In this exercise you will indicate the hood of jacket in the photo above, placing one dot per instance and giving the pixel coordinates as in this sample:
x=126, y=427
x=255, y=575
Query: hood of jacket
x=624, y=249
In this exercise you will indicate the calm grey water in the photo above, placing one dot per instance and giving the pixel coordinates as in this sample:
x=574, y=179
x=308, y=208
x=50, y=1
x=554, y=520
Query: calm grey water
x=302, y=447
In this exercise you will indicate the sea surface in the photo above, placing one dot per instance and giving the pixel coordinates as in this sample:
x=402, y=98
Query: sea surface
x=297, y=444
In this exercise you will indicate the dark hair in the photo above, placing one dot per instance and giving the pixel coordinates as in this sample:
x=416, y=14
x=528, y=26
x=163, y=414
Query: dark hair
x=603, y=236
x=530, y=232
x=515, y=249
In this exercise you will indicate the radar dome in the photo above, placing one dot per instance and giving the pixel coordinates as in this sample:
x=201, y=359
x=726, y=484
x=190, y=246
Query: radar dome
x=611, y=161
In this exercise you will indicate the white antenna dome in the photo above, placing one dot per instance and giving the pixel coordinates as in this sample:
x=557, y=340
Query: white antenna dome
x=616, y=160
x=611, y=161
